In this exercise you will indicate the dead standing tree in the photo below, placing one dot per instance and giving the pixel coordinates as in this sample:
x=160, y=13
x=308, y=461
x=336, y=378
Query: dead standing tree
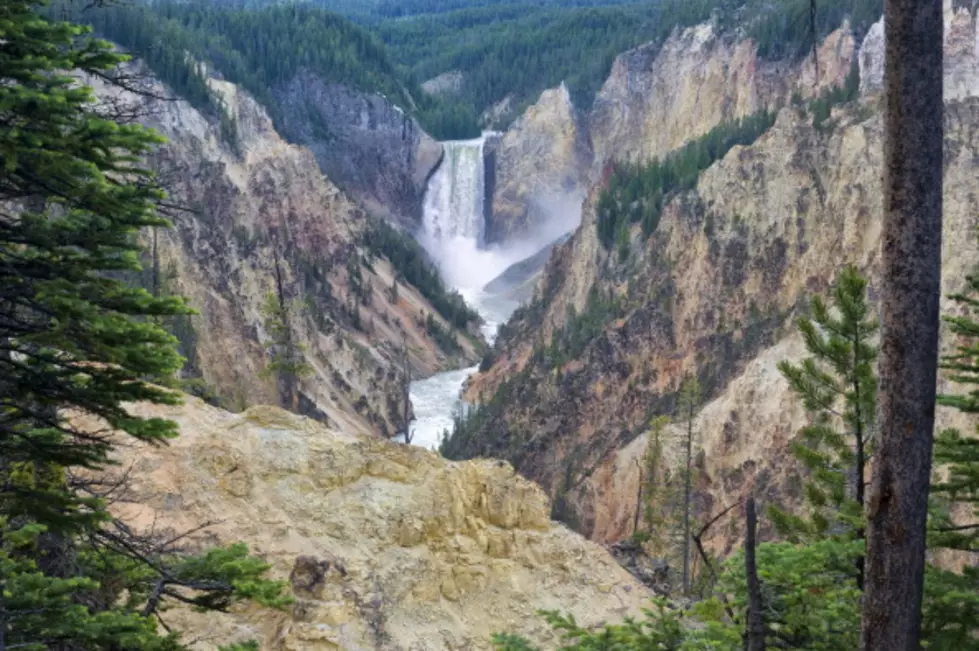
x=910, y=291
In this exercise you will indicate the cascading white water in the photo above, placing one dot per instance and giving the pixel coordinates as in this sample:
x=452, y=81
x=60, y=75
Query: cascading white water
x=453, y=232
x=455, y=199
x=453, y=222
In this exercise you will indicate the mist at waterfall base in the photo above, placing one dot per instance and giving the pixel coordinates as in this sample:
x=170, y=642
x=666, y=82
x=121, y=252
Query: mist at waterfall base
x=453, y=233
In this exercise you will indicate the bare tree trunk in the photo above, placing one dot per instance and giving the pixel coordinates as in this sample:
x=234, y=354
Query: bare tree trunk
x=860, y=462
x=911, y=256
x=755, y=633
x=156, y=263
x=406, y=396
x=635, y=523
x=686, y=502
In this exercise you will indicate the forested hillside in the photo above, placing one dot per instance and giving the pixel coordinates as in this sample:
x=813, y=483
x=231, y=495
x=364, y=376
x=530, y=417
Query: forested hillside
x=504, y=50
x=256, y=48
x=518, y=49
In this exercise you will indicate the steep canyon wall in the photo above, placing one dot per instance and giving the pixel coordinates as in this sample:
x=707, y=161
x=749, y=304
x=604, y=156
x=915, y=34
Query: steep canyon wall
x=253, y=208
x=715, y=290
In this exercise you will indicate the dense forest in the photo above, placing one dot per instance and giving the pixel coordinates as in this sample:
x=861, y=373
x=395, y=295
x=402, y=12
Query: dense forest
x=519, y=49
x=503, y=49
x=258, y=49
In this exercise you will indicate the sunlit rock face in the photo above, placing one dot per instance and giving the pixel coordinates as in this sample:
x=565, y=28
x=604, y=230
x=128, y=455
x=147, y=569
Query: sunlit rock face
x=715, y=292
x=656, y=98
x=253, y=208
x=542, y=166
x=385, y=546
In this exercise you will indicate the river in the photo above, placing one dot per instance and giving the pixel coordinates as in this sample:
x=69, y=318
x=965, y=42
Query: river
x=453, y=233
x=453, y=228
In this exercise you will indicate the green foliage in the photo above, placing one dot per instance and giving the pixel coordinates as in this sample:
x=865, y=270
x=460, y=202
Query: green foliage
x=504, y=49
x=661, y=629
x=784, y=29
x=519, y=49
x=811, y=602
x=76, y=337
x=444, y=337
x=838, y=386
x=163, y=44
x=638, y=193
x=822, y=107
x=957, y=457
x=67, y=328
x=569, y=342
x=38, y=611
x=286, y=357
x=257, y=48
x=413, y=267
x=810, y=597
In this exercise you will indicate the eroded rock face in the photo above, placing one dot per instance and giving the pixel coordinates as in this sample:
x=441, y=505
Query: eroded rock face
x=657, y=98
x=261, y=208
x=542, y=165
x=369, y=147
x=385, y=546
x=447, y=83
x=713, y=293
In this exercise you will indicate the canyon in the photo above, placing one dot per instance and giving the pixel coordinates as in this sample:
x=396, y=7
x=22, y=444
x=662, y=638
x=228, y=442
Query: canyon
x=714, y=292
x=257, y=214
x=393, y=546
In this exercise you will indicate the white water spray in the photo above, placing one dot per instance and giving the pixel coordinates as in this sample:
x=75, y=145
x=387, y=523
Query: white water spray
x=453, y=233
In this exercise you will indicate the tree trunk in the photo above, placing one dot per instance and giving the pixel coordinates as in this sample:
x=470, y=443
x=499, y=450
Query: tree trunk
x=156, y=264
x=861, y=460
x=406, y=393
x=635, y=524
x=686, y=504
x=755, y=633
x=911, y=258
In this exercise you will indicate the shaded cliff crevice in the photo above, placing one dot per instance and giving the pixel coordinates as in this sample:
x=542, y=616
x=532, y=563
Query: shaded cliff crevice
x=373, y=150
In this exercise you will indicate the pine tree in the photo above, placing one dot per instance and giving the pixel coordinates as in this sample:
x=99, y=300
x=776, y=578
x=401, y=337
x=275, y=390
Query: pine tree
x=957, y=457
x=76, y=339
x=688, y=400
x=286, y=357
x=838, y=387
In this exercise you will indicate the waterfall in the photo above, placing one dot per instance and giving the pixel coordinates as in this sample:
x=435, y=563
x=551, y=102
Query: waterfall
x=454, y=218
x=453, y=232
x=455, y=198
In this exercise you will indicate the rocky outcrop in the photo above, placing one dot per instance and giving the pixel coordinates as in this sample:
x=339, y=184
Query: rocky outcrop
x=712, y=293
x=369, y=147
x=542, y=164
x=656, y=98
x=961, y=52
x=386, y=547
x=255, y=209
x=447, y=83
